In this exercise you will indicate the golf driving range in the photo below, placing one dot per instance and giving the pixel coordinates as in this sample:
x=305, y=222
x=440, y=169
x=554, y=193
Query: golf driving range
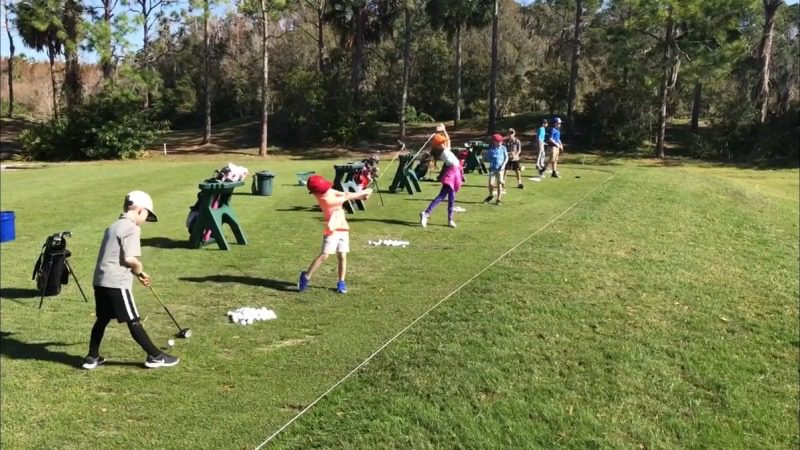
x=629, y=304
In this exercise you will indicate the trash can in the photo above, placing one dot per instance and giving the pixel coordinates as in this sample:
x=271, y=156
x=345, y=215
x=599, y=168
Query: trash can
x=302, y=177
x=262, y=183
x=7, y=231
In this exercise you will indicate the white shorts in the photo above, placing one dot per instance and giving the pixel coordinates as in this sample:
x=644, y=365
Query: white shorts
x=496, y=177
x=338, y=242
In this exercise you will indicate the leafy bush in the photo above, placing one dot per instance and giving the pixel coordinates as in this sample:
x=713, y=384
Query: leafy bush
x=618, y=117
x=412, y=115
x=108, y=125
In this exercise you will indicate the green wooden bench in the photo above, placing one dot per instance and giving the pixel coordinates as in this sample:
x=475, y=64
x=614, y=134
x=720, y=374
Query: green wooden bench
x=214, y=210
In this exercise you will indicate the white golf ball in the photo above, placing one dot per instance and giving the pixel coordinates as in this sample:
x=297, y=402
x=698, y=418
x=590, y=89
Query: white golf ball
x=170, y=342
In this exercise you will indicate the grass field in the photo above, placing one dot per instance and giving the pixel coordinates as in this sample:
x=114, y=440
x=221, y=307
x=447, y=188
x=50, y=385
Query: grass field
x=642, y=306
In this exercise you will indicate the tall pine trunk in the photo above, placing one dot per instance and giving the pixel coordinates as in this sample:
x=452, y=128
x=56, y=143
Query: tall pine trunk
x=10, y=64
x=493, y=75
x=206, y=74
x=761, y=92
x=358, y=61
x=73, y=85
x=106, y=62
x=320, y=40
x=696, y=105
x=576, y=55
x=146, y=54
x=457, y=118
x=406, y=72
x=663, y=91
x=51, y=55
x=262, y=142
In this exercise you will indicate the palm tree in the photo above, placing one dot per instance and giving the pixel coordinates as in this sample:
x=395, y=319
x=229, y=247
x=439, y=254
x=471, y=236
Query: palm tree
x=39, y=25
x=454, y=17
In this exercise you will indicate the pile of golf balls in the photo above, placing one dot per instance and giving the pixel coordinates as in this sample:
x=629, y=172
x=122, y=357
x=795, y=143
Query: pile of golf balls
x=246, y=315
x=389, y=243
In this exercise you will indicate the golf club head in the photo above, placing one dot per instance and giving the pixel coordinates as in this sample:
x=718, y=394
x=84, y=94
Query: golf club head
x=185, y=333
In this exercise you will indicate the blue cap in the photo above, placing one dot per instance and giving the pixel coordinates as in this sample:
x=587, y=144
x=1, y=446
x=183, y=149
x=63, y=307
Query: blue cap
x=556, y=119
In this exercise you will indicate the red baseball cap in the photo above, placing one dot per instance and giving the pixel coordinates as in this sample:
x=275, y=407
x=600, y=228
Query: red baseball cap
x=497, y=138
x=318, y=185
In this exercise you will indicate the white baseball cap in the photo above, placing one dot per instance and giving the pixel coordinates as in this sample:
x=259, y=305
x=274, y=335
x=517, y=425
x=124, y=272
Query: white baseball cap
x=139, y=198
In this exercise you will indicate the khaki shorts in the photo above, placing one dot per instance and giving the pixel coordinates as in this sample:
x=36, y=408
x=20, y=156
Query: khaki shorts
x=554, y=152
x=338, y=242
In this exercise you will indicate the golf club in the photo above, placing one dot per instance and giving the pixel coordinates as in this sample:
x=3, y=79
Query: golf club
x=411, y=161
x=184, y=333
x=402, y=147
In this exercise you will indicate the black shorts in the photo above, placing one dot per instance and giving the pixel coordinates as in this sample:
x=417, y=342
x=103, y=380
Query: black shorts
x=512, y=165
x=111, y=303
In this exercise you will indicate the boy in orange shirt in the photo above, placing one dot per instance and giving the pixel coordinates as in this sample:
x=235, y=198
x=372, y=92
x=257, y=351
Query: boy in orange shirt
x=336, y=236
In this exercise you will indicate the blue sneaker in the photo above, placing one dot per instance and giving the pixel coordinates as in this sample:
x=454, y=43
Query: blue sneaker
x=302, y=283
x=341, y=287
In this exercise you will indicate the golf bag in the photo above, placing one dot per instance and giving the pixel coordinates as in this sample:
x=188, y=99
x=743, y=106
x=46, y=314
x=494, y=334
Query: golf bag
x=52, y=269
x=363, y=178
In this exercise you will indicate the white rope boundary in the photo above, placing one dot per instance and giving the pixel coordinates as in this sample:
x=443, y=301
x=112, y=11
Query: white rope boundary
x=436, y=305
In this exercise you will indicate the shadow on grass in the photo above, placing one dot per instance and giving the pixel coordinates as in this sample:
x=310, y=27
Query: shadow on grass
x=165, y=242
x=16, y=349
x=14, y=293
x=278, y=285
x=386, y=221
x=297, y=208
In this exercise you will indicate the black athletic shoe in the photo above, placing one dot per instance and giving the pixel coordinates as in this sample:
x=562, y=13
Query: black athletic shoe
x=556, y=175
x=520, y=186
x=488, y=199
x=90, y=362
x=162, y=360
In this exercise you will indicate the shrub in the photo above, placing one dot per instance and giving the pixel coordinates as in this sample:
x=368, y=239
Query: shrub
x=108, y=125
x=618, y=117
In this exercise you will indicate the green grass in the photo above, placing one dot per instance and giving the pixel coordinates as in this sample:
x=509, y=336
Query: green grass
x=659, y=312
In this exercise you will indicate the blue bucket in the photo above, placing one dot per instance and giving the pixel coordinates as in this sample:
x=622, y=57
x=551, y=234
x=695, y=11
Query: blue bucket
x=7, y=232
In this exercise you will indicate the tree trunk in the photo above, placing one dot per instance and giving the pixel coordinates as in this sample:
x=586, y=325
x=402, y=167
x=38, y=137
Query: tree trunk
x=106, y=62
x=51, y=55
x=457, y=118
x=696, y=104
x=761, y=93
x=493, y=75
x=320, y=40
x=72, y=78
x=10, y=65
x=576, y=55
x=206, y=74
x=406, y=73
x=358, y=61
x=663, y=91
x=262, y=142
x=146, y=53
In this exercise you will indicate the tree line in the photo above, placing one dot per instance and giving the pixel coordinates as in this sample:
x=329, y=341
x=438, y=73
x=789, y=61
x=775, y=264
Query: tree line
x=326, y=71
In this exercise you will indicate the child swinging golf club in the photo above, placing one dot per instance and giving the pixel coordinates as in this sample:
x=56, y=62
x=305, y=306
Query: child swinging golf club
x=117, y=264
x=336, y=236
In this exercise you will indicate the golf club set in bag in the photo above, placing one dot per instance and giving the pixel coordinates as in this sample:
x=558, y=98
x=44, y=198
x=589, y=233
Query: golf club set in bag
x=52, y=270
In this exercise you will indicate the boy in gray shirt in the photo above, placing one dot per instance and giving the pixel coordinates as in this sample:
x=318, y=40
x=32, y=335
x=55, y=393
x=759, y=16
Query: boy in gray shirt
x=117, y=264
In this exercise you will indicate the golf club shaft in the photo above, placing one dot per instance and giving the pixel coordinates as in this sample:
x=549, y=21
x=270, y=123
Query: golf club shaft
x=402, y=147
x=411, y=161
x=165, y=307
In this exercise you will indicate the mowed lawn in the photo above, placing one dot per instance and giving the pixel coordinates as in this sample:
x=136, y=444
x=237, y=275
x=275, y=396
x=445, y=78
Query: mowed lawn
x=642, y=306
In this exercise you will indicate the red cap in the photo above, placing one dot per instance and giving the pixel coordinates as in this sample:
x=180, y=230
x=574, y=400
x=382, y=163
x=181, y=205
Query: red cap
x=497, y=138
x=318, y=185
